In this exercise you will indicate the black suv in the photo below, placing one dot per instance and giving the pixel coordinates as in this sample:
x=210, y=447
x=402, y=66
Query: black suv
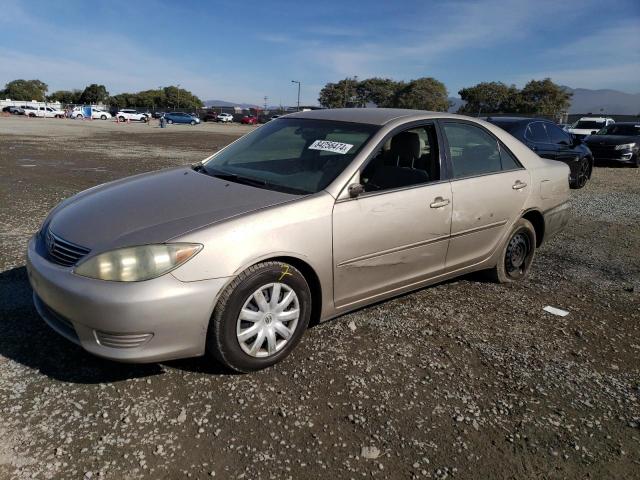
x=618, y=142
x=550, y=141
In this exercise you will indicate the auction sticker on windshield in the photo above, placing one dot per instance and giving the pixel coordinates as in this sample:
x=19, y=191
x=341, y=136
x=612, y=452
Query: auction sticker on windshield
x=329, y=146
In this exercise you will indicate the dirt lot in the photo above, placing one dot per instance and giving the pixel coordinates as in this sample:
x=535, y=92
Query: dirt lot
x=466, y=379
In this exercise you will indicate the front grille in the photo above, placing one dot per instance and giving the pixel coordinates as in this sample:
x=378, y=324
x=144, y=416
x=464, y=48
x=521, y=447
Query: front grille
x=63, y=252
x=122, y=340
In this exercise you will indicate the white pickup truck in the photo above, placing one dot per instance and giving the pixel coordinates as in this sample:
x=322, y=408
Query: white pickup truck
x=131, y=114
x=43, y=112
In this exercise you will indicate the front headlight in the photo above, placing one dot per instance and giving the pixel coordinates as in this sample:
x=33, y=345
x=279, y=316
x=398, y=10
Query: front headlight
x=135, y=264
x=625, y=146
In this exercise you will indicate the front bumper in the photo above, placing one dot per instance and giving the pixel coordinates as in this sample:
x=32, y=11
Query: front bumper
x=150, y=321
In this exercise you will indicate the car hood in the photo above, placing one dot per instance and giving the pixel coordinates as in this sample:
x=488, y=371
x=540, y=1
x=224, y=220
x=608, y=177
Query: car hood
x=610, y=139
x=154, y=208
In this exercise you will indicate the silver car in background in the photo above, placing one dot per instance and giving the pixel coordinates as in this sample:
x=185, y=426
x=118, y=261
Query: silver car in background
x=310, y=216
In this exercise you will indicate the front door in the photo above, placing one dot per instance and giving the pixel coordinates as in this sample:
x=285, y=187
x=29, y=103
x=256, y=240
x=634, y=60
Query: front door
x=396, y=233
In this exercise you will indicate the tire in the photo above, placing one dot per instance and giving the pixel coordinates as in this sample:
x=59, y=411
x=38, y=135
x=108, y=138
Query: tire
x=103, y=117
x=144, y=119
x=636, y=164
x=225, y=326
x=193, y=122
x=582, y=175
x=517, y=254
x=122, y=119
x=32, y=115
x=169, y=122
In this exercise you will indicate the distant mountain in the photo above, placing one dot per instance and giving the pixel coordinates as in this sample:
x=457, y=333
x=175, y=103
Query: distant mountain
x=456, y=103
x=224, y=103
x=585, y=100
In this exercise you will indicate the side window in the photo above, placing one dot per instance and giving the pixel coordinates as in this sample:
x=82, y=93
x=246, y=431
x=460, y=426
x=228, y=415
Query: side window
x=408, y=158
x=508, y=161
x=536, y=133
x=556, y=135
x=472, y=150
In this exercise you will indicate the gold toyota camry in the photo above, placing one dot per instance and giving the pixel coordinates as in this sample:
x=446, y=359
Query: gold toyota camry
x=310, y=216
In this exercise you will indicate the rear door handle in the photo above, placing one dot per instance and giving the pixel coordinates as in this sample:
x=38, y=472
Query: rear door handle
x=518, y=185
x=439, y=202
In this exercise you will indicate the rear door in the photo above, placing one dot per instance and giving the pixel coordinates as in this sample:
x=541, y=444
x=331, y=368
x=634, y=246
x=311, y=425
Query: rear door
x=489, y=188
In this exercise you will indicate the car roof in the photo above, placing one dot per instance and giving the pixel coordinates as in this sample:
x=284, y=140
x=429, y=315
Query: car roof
x=601, y=119
x=373, y=116
x=515, y=119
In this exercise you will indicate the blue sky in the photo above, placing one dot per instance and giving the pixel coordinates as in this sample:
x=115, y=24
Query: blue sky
x=243, y=50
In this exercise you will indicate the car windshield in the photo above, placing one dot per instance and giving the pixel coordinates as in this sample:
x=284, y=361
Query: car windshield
x=588, y=124
x=628, y=129
x=292, y=155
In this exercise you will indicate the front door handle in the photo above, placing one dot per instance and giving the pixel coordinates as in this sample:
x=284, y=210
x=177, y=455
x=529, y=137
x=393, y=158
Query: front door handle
x=439, y=202
x=518, y=185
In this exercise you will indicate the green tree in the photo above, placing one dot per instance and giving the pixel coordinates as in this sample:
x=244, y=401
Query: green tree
x=65, y=96
x=490, y=97
x=423, y=94
x=25, y=90
x=543, y=97
x=94, y=94
x=341, y=94
x=165, y=98
x=380, y=91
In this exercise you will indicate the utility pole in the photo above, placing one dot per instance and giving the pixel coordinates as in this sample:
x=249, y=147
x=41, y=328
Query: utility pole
x=296, y=81
x=265, y=102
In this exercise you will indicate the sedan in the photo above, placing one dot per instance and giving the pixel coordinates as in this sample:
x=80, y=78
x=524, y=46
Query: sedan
x=179, y=117
x=619, y=142
x=306, y=218
x=549, y=141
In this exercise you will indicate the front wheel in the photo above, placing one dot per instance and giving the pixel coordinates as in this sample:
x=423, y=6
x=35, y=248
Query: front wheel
x=582, y=175
x=193, y=122
x=122, y=119
x=103, y=117
x=260, y=317
x=169, y=122
x=517, y=253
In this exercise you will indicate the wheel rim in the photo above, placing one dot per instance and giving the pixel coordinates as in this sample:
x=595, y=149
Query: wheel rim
x=583, y=173
x=268, y=320
x=517, y=255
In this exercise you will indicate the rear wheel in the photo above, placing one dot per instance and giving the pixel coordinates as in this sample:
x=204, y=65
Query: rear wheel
x=122, y=119
x=103, y=117
x=517, y=253
x=169, y=121
x=260, y=317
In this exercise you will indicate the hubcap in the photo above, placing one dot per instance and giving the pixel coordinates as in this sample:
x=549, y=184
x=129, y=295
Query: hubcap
x=267, y=320
x=517, y=253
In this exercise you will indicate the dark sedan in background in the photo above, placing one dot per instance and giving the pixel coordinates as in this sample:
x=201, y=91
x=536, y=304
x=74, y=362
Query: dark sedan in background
x=548, y=140
x=619, y=142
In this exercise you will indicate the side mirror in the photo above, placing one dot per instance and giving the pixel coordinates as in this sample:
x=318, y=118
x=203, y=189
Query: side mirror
x=355, y=190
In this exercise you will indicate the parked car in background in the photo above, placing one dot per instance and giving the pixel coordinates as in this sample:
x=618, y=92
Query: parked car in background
x=13, y=110
x=619, y=142
x=96, y=113
x=180, y=117
x=224, y=118
x=249, y=120
x=304, y=219
x=44, y=112
x=550, y=141
x=157, y=114
x=589, y=125
x=132, y=115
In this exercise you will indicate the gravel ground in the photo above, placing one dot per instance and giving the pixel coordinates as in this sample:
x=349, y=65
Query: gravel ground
x=465, y=379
